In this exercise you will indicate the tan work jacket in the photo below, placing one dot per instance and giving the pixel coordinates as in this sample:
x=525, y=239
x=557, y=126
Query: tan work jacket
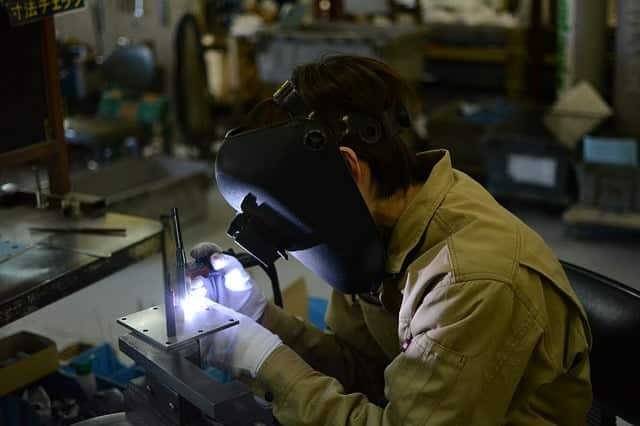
x=486, y=329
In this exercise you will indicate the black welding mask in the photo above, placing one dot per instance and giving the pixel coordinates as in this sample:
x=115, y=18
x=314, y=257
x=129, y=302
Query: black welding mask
x=294, y=194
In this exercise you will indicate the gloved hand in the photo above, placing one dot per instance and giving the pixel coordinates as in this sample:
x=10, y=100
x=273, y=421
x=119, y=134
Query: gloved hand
x=241, y=349
x=235, y=289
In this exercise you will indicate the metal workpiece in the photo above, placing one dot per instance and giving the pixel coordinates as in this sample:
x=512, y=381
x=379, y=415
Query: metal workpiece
x=176, y=290
x=169, y=293
x=150, y=326
x=169, y=311
x=181, y=393
x=181, y=258
x=10, y=249
x=80, y=230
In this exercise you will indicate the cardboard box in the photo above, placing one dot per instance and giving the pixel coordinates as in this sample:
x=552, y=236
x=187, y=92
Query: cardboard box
x=25, y=358
x=577, y=112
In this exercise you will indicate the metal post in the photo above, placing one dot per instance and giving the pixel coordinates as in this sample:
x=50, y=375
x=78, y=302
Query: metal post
x=40, y=204
x=169, y=294
x=181, y=259
x=170, y=310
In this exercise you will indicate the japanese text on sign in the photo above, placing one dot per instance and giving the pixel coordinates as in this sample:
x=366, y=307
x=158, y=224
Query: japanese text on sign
x=24, y=11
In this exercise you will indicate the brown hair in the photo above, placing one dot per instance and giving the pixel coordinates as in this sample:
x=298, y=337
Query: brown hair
x=338, y=85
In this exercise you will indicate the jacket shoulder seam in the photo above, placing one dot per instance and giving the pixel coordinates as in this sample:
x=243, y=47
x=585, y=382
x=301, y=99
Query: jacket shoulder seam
x=442, y=222
x=482, y=276
x=518, y=247
x=531, y=310
x=509, y=276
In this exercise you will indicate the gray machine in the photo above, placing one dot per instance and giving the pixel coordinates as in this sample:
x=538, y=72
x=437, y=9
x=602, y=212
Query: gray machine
x=165, y=341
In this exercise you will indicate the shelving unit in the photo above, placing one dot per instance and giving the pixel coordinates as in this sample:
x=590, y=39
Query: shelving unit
x=19, y=46
x=512, y=56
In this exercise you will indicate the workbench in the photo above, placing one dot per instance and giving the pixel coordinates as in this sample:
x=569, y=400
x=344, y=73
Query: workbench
x=47, y=267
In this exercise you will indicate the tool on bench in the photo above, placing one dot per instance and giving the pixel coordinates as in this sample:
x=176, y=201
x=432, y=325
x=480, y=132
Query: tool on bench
x=120, y=232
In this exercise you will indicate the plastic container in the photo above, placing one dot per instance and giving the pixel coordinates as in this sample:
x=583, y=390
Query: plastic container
x=610, y=188
x=610, y=151
x=85, y=377
x=530, y=169
x=108, y=370
x=525, y=162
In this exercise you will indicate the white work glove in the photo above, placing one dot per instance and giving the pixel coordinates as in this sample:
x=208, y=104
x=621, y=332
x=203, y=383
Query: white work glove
x=241, y=349
x=236, y=290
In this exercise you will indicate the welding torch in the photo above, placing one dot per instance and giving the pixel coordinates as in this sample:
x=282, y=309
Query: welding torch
x=202, y=266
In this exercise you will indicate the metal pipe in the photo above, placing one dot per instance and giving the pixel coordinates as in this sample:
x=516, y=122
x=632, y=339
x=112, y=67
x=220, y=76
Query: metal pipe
x=169, y=294
x=170, y=312
x=39, y=195
x=181, y=259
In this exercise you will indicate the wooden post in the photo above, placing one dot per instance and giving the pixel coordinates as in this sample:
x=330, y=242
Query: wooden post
x=536, y=49
x=58, y=162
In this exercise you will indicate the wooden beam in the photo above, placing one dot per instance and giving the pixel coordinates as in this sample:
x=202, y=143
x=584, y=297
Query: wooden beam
x=59, y=159
x=36, y=152
x=536, y=49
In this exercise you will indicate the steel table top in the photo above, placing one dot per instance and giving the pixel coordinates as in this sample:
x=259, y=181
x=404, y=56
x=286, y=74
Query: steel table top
x=54, y=265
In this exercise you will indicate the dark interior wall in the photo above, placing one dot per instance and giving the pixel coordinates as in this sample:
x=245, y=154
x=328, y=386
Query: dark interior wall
x=22, y=110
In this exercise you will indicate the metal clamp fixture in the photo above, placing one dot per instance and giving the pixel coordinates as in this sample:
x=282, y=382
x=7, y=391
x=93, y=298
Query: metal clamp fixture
x=165, y=342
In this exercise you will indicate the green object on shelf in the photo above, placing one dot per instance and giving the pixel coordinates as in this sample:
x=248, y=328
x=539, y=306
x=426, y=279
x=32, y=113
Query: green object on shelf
x=83, y=367
x=148, y=109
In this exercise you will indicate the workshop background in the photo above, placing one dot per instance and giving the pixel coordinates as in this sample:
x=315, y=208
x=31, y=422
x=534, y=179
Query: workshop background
x=113, y=111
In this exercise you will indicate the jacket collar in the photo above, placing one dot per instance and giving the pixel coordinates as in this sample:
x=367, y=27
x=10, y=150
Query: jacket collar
x=413, y=222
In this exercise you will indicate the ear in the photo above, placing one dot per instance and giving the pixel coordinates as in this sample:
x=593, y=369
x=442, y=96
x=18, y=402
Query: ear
x=351, y=158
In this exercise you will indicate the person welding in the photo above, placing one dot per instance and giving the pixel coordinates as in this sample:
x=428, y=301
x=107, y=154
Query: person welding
x=445, y=310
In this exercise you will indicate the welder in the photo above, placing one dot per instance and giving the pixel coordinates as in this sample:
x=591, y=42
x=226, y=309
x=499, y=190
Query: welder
x=445, y=308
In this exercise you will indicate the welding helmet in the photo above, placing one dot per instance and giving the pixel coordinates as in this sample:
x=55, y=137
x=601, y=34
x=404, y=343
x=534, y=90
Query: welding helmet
x=294, y=193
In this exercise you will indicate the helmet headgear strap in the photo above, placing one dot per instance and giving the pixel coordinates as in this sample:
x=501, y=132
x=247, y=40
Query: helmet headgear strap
x=369, y=129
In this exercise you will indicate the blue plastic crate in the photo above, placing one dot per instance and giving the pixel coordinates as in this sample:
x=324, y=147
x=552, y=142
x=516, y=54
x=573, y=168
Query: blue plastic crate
x=109, y=371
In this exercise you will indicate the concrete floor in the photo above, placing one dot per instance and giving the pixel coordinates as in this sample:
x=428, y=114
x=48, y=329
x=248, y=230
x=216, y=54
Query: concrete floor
x=89, y=315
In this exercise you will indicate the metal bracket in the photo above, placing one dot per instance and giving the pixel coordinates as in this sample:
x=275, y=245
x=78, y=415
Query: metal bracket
x=150, y=326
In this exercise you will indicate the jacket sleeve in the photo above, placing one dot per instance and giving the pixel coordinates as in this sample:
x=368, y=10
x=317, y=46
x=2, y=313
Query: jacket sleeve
x=440, y=379
x=346, y=351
